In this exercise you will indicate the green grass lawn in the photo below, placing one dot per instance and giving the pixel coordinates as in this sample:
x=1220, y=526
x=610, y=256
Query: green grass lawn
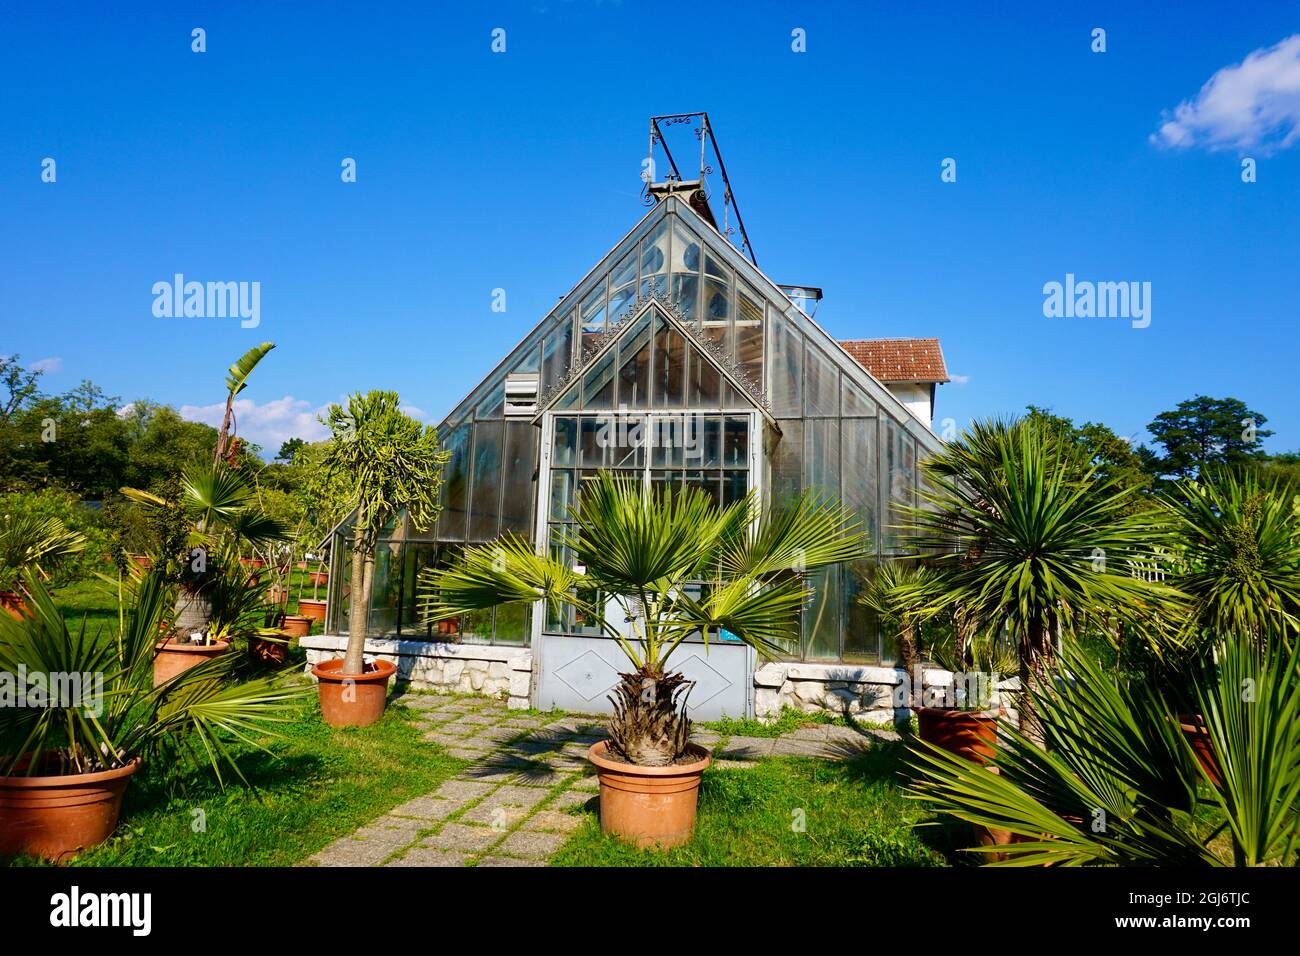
x=318, y=784
x=789, y=811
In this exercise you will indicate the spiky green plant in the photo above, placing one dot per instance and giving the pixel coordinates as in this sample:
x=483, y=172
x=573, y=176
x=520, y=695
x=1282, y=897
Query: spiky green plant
x=1119, y=783
x=674, y=564
x=236, y=382
x=31, y=541
x=199, y=713
x=903, y=596
x=1029, y=537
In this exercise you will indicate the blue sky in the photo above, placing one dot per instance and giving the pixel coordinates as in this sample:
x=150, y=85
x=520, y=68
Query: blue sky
x=478, y=171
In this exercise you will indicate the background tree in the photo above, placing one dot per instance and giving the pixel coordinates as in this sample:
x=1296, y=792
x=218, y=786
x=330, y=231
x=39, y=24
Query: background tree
x=390, y=463
x=1204, y=432
x=236, y=382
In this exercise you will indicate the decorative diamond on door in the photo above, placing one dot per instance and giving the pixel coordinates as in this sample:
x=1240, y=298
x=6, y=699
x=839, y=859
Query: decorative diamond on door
x=709, y=683
x=590, y=676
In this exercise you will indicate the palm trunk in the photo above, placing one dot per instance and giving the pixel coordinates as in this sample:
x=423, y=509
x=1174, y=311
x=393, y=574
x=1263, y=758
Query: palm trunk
x=224, y=433
x=359, y=605
x=1035, y=661
x=907, y=657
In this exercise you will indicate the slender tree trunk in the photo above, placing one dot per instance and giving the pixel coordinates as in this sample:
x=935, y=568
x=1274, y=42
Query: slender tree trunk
x=907, y=657
x=359, y=604
x=1035, y=659
x=224, y=433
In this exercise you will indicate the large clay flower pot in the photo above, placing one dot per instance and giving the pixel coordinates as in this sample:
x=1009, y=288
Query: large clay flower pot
x=310, y=607
x=253, y=564
x=971, y=734
x=13, y=602
x=649, y=806
x=318, y=579
x=54, y=816
x=277, y=596
x=296, y=625
x=1198, y=735
x=143, y=561
x=352, y=700
x=175, y=659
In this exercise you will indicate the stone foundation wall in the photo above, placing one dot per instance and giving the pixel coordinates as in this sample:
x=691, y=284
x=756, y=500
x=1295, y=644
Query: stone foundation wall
x=865, y=692
x=492, y=671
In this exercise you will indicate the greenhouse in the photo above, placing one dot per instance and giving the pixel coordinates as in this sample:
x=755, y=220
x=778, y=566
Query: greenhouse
x=675, y=360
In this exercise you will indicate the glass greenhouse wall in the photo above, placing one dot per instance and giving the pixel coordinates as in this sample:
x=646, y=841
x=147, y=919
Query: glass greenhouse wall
x=672, y=320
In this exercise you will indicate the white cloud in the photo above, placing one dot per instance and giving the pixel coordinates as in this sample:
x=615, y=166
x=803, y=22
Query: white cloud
x=51, y=365
x=269, y=425
x=959, y=379
x=1254, y=105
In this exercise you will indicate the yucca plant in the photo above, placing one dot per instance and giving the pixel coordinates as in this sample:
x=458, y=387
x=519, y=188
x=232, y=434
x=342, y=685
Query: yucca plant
x=1118, y=782
x=672, y=563
x=1029, y=538
x=31, y=541
x=236, y=382
x=903, y=596
x=199, y=713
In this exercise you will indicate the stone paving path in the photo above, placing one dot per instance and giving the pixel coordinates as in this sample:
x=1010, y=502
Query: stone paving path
x=529, y=786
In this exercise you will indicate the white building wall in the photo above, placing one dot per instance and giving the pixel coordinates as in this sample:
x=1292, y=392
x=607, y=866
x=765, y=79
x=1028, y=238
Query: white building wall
x=916, y=396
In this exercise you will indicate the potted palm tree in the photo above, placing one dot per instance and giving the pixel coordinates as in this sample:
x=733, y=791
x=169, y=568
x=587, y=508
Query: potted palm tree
x=66, y=759
x=391, y=464
x=29, y=541
x=1029, y=537
x=674, y=565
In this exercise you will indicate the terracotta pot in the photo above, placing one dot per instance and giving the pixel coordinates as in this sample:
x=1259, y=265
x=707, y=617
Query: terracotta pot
x=142, y=560
x=649, y=806
x=255, y=564
x=352, y=700
x=971, y=734
x=310, y=607
x=268, y=651
x=1194, y=729
x=176, y=659
x=318, y=579
x=301, y=565
x=278, y=596
x=14, y=603
x=55, y=816
x=296, y=625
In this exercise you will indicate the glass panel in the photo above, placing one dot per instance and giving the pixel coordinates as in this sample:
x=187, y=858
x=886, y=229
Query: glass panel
x=821, y=381
x=735, y=443
x=654, y=261
x=455, y=486
x=598, y=384
x=685, y=270
x=861, y=629
x=564, y=448
x=634, y=358
x=672, y=437
x=711, y=456
x=822, y=455
x=529, y=359
x=749, y=332
x=563, y=494
x=787, y=369
x=518, y=476
x=705, y=382
x=593, y=444
x=513, y=624
x=670, y=366
x=821, y=619
x=593, y=315
x=901, y=479
x=493, y=404
x=386, y=589
x=477, y=626
x=485, y=497
x=717, y=303
x=622, y=287
x=733, y=487
x=860, y=481
x=787, y=462
x=856, y=401
x=557, y=350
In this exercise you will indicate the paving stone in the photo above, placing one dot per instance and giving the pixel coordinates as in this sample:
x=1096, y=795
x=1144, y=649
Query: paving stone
x=516, y=796
x=462, y=704
x=791, y=747
x=543, y=778
x=395, y=831
x=495, y=770
x=465, y=839
x=571, y=798
x=428, y=808
x=469, y=753
x=463, y=790
x=553, y=820
x=588, y=784
x=479, y=719
x=508, y=861
x=531, y=746
x=496, y=735
x=427, y=856
x=498, y=817
x=350, y=852
x=444, y=738
x=523, y=723
x=747, y=748
x=458, y=728
x=533, y=845
x=422, y=701
x=808, y=733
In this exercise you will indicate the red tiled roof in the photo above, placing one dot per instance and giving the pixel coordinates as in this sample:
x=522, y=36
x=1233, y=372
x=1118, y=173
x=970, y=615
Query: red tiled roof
x=900, y=360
